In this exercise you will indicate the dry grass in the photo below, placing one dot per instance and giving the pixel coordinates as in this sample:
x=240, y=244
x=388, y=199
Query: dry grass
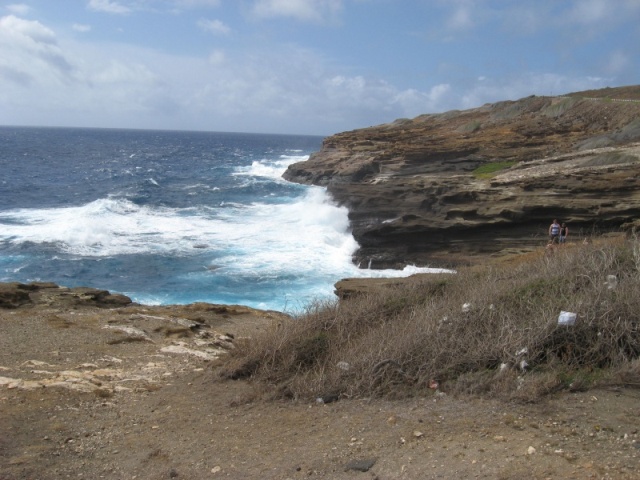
x=491, y=331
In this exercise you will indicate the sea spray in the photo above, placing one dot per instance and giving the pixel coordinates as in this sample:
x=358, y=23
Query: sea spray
x=172, y=217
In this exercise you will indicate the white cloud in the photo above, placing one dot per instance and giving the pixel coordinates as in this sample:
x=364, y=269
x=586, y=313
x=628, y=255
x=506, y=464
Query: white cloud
x=217, y=57
x=44, y=82
x=513, y=88
x=26, y=32
x=525, y=19
x=438, y=92
x=413, y=102
x=122, y=73
x=283, y=90
x=372, y=101
x=214, y=26
x=19, y=9
x=304, y=10
x=53, y=79
x=166, y=6
x=196, y=3
x=618, y=61
x=602, y=13
x=591, y=11
x=461, y=18
x=81, y=28
x=108, y=6
x=28, y=47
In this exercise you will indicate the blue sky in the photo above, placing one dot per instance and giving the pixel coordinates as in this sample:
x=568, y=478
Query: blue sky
x=299, y=66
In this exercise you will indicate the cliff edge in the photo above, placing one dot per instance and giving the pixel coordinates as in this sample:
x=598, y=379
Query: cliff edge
x=444, y=189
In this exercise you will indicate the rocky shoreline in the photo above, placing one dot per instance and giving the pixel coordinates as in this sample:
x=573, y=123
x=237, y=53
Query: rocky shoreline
x=95, y=386
x=92, y=317
x=451, y=188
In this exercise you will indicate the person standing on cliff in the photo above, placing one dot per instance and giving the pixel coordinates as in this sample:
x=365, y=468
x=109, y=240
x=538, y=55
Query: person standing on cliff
x=564, y=231
x=554, y=232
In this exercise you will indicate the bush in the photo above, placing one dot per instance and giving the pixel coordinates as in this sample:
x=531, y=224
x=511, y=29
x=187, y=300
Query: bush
x=489, y=170
x=489, y=330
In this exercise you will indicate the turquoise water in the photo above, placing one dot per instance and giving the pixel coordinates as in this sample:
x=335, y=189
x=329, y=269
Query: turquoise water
x=171, y=217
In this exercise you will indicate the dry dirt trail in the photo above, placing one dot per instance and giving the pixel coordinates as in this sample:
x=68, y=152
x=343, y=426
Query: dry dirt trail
x=131, y=393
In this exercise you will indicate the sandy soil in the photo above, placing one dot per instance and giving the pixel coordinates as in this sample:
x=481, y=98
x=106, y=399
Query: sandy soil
x=131, y=393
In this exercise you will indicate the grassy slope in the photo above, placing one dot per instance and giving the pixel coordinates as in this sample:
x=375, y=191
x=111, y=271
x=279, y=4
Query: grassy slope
x=631, y=92
x=491, y=330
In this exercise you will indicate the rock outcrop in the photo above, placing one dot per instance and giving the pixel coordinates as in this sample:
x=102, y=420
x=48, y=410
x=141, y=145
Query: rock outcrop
x=93, y=341
x=14, y=295
x=442, y=189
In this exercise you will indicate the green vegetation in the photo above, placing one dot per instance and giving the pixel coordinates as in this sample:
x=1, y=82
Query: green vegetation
x=488, y=330
x=489, y=170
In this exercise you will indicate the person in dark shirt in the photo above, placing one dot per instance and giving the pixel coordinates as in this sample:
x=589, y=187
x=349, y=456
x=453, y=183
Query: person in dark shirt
x=564, y=231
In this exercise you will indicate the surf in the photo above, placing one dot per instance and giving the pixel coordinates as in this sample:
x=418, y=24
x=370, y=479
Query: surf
x=174, y=218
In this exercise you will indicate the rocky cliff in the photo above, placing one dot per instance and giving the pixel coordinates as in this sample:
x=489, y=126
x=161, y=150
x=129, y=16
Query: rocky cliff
x=442, y=189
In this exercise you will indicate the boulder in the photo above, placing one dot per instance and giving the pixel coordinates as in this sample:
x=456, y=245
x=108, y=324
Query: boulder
x=14, y=295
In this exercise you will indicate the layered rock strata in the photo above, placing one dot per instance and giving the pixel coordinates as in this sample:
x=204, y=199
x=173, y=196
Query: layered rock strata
x=446, y=189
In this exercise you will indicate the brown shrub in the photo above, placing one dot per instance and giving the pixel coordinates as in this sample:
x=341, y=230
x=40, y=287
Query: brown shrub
x=490, y=331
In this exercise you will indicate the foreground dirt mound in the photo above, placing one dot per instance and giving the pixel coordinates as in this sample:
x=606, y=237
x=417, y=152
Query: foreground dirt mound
x=129, y=391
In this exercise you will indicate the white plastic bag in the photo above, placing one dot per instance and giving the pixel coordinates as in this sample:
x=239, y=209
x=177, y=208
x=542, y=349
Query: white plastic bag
x=567, y=318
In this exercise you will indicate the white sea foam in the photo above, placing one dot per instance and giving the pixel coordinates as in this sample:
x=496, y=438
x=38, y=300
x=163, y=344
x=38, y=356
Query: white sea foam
x=271, y=169
x=294, y=250
x=309, y=236
x=105, y=227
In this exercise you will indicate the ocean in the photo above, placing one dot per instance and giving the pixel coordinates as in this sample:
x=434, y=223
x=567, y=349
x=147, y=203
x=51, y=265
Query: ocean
x=171, y=217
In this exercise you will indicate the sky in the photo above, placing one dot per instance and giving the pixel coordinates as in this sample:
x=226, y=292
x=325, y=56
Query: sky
x=314, y=67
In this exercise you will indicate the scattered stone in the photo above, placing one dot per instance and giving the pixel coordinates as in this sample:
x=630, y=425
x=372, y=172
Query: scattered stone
x=329, y=398
x=531, y=451
x=182, y=349
x=570, y=457
x=360, y=465
x=132, y=332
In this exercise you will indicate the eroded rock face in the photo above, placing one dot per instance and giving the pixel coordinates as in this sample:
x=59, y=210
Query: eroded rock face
x=14, y=295
x=92, y=341
x=415, y=194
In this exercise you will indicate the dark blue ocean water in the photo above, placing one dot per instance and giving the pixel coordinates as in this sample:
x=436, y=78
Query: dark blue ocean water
x=170, y=217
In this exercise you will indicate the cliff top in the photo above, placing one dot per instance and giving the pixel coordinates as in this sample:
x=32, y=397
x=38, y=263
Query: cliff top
x=444, y=187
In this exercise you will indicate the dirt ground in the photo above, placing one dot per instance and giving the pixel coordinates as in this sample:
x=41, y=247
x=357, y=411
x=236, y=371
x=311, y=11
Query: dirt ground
x=131, y=393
